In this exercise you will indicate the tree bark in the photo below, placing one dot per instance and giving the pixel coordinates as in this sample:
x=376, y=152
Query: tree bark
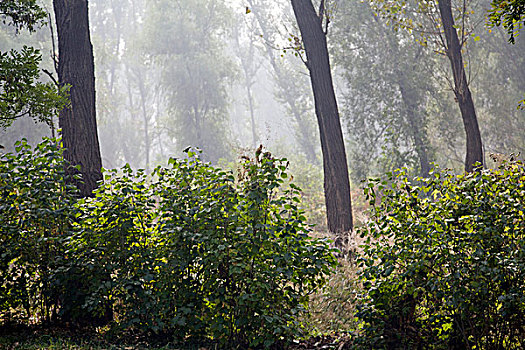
x=461, y=89
x=76, y=69
x=336, y=182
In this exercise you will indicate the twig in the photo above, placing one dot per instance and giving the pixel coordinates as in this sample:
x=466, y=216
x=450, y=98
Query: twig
x=53, y=53
x=50, y=75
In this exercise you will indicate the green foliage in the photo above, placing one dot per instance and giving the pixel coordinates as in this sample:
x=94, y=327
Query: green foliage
x=198, y=254
x=20, y=92
x=22, y=13
x=444, y=265
x=190, y=252
x=36, y=212
x=510, y=14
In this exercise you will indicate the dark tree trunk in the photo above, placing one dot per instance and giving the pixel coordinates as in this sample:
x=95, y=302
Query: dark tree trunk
x=76, y=68
x=461, y=88
x=336, y=182
x=79, y=136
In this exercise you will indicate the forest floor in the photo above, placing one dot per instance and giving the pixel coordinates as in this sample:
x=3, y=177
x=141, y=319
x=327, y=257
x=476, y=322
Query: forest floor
x=331, y=310
x=36, y=338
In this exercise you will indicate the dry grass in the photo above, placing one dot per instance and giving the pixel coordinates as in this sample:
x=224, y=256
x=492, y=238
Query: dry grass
x=333, y=309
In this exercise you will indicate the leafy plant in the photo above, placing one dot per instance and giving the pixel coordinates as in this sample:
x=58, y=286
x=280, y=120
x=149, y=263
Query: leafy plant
x=444, y=265
x=36, y=214
x=508, y=13
x=189, y=252
x=22, y=13
x=20, y=92
x=196, y=253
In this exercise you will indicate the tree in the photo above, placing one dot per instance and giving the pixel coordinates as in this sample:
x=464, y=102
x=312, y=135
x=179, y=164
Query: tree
x=336, y=181
x=462, y=92
x=508, y=13
x=184, y=40
x=76, y=69
x=384, y=101
x=435, y=22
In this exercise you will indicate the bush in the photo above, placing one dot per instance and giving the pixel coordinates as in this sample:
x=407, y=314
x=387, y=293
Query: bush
x=444, y=262
x=190, y=252
x=36, y=216
x=198, y=253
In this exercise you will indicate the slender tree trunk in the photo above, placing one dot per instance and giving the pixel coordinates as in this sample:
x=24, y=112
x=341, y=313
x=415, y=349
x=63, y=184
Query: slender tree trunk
x=255, y=139
x=461, y=88
x=76, y=69
x=336, y=182
x=304, y=136
x=416, y=124
x=145, y=118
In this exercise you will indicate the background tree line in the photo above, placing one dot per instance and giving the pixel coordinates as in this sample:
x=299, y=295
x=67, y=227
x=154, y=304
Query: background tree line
x=394, y=116
x=231, y=246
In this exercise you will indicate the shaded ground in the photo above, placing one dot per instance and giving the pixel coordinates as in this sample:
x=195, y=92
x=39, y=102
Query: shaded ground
x=33, y=338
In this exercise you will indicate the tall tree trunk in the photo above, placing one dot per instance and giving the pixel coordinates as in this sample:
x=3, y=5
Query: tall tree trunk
x=336, y=182
x=461, y=88
x=76, y=68
x=79, y=133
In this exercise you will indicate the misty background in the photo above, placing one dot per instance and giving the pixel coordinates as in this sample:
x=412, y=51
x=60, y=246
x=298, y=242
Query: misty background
x=226, y=76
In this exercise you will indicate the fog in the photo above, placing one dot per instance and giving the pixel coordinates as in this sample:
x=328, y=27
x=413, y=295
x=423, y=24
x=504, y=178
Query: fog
x=226, y=76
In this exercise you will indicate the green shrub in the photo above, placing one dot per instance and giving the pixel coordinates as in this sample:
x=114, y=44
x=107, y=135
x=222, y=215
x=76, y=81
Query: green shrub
x=189, y=251
x=36, y=216
x=195, y=253
x=444, y=262
x=117, y=250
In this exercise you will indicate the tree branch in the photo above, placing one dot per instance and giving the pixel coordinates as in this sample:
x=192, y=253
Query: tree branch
x=50, y=75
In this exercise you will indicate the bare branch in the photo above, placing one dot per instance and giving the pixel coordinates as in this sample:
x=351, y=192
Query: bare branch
x=50, y=75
